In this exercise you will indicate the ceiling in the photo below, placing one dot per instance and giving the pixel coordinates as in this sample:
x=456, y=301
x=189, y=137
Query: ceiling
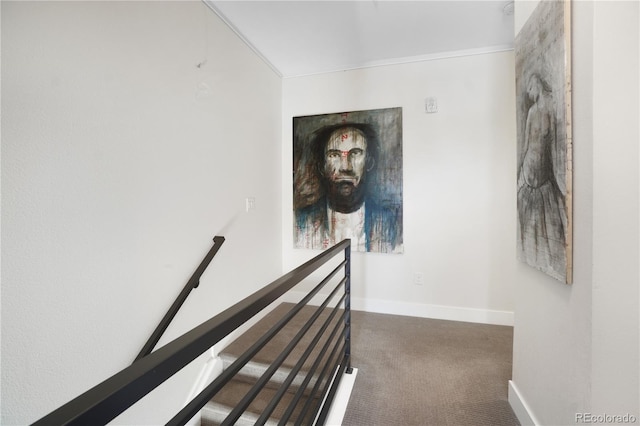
x=309, y=37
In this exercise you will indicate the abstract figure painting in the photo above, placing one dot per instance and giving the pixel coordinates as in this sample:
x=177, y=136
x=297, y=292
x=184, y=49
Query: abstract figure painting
x=544, y=180
x=347, y=180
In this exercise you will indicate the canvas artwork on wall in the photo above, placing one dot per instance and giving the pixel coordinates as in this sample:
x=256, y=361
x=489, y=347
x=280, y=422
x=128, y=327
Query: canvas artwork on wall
x=347, y=180
x=544, y=169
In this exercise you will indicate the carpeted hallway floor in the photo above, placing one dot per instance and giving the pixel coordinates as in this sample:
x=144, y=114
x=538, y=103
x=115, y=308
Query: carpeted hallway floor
x=417, y=371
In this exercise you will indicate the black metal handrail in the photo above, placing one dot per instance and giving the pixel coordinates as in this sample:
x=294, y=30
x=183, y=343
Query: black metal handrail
x=193, y=282
x=110, y=398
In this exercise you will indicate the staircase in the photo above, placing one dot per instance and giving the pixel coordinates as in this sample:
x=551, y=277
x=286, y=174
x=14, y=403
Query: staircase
x=287, y=393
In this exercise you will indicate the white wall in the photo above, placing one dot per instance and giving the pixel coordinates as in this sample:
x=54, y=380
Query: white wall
x=616, y=136
x=459, y=185
x=576, y=347
x=118, y=168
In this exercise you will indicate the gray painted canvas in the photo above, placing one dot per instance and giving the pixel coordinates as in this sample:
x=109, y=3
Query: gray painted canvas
x=347, y=180
x=543, y=96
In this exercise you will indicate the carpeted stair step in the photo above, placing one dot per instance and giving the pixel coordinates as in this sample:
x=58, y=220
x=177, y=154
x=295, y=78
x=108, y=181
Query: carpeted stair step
x=263, y=359
x=221, y=405
x=254, y=370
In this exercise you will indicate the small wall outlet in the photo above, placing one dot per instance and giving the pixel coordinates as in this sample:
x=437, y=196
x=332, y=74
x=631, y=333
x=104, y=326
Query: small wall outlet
x=418, y=278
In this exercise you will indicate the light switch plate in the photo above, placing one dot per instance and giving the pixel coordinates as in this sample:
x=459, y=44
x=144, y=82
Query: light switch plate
x=431, y=105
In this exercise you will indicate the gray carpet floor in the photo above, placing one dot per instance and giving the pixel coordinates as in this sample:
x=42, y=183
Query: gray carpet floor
x=417, y=371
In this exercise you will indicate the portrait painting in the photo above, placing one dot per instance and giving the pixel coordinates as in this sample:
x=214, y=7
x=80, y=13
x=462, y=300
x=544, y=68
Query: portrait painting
x=347, y=180
x=544, y=150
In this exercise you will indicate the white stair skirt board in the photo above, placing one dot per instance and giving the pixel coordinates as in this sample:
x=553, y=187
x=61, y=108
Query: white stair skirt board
x=520, y=407
x=450, y=313
x=341, y=399
x=211, y=369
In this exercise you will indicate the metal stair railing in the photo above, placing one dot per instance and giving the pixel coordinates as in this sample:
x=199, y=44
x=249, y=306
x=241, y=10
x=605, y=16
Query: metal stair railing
x=116, y=394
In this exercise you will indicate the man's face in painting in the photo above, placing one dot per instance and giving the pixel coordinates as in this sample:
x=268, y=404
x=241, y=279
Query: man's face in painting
x=345, y=167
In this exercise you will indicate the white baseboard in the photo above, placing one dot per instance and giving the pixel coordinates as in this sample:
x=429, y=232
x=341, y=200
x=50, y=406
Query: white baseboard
x=451, y=313
x=520, y=407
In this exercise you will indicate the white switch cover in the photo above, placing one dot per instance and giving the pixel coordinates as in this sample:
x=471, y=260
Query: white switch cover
x=250, y=203
x=431, y=105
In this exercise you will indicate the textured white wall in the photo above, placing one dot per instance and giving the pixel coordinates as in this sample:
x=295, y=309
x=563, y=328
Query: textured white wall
x=576, y=347
x=459, y=185
x=616, y=234
x=117, y=171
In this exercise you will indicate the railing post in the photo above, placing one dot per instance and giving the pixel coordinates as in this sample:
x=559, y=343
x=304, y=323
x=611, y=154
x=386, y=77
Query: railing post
x=347, y=308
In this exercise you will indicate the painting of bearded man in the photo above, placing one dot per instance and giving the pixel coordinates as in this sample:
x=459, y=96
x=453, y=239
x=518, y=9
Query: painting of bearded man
x=348, y=180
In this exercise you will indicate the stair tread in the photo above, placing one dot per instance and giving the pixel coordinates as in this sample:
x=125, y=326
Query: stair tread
x=282, y=338
x=219, y=407
x=252, y=371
